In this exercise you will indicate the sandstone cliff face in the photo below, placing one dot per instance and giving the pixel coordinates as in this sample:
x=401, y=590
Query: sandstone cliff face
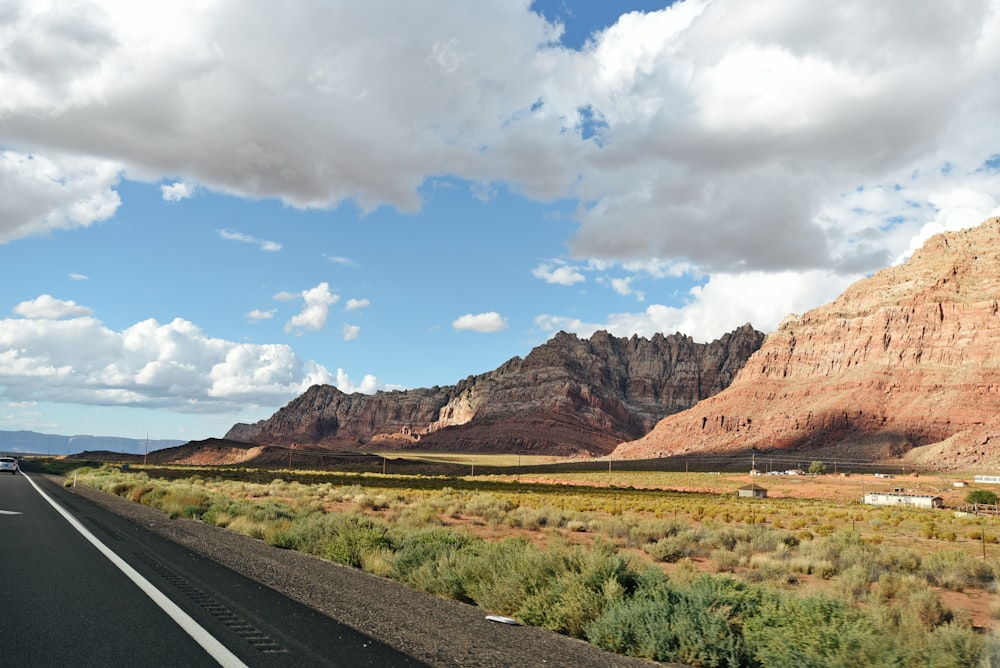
x=904, y=358
x=568, y=396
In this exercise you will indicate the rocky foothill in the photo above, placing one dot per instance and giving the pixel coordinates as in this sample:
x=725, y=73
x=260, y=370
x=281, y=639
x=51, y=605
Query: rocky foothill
x=568, y=396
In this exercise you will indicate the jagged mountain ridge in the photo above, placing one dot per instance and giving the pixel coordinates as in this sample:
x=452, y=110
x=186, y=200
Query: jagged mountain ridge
x=902, y=359
x=567, y=396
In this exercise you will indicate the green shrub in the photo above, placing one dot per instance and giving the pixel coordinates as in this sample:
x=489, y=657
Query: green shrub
x=584, y=581
x=499, y=575
x=694, y=624
x=954, y=645
x=670, y=550
x=816, y=632
x=983, y=496
x=956, y=570
x=278, y=534
x=351, y=537
x=430, y=560
x=854, y=582
x=725, y=561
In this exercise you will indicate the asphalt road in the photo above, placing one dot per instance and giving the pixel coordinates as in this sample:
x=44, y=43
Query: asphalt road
x=64, y=602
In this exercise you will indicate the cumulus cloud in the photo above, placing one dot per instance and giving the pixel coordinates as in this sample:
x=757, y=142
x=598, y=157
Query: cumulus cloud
x=722, y=304
x=48, y=307
x=316, y=310
x=559, y=273
x=43, y=193
x=723, y=129
x=727, y=138
x=623, y=286
x=351, y=332
x=258, y=314
x=480, y=322
x=175, y=192
x=355, y=304
x=369, y=384
x=175, y=366
x=269, y=246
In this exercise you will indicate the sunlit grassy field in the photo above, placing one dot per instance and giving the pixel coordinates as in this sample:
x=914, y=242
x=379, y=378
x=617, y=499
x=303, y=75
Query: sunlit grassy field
x=808, y=576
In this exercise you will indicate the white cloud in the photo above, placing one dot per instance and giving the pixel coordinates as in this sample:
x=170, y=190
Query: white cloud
x=230, y=235
x=369, y=384
x=175, y=192
x=48, y=307
x=345, y=261
x=40, y=194
x=558, y=273
x=623, y=286
x=731, y=138
x=174, y=366
x=556, y=323
x=955, y=209
x=351, y=332
x=724, y=303
x=258, y=314
x=74, y=276
x=355, y=304
x=314, y=314
x=481, y=322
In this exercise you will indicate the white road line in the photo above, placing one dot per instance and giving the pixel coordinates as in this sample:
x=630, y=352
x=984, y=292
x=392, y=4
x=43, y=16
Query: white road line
x=216, y=649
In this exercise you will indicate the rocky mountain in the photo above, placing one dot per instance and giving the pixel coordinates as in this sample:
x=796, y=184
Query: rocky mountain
x=34, y=442
x=567, y=396
x=905, y=358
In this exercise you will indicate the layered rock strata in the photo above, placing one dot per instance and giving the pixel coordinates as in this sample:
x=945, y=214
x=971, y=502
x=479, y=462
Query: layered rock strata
x=904, y=358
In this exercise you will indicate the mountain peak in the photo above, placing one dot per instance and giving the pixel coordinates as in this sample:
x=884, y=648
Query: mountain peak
x=567, y=396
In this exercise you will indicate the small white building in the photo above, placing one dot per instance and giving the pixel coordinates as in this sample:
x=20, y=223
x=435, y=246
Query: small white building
x=752, y=490
x=900, y=499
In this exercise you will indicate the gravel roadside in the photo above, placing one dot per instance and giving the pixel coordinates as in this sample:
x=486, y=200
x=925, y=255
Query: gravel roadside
x=437, y=631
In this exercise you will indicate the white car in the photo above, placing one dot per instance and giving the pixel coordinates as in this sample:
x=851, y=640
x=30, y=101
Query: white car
x=8, y=464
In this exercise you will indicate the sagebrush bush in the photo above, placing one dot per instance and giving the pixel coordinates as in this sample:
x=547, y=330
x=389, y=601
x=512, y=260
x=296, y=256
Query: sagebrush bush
x=431, y=559
x=725, y=561
x=694, y=624
x=785, y=630
x=578, y=589
x=352, y=536
x=956, y=570
x=668, y=550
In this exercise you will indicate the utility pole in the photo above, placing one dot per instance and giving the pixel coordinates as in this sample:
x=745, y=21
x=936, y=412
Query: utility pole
x=147, y=450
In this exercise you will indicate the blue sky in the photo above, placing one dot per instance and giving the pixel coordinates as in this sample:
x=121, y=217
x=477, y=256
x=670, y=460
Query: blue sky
x=206, y=207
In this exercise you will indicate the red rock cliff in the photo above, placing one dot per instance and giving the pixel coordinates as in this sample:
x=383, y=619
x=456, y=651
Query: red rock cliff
x=906, y=357
x=569, y=395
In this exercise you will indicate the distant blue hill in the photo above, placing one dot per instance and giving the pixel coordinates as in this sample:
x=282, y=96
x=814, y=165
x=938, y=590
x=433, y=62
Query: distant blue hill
x=31, y=442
